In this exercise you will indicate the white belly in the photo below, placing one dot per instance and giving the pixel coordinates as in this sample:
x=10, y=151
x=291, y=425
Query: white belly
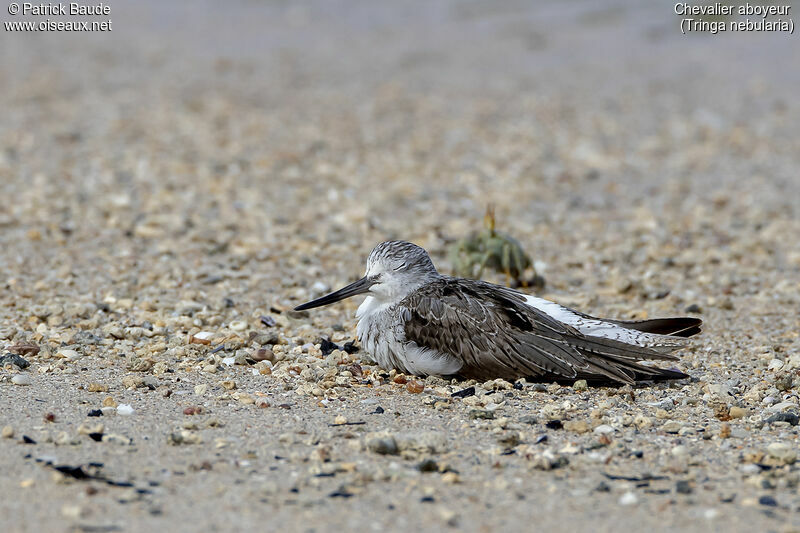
x=382, y=336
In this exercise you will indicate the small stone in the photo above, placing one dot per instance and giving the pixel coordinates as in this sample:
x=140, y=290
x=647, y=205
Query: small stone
x=238, y=325
x=737, y=412
x=7, y=432
x=784, y=382
x=428, y=465
x=580, y=385
x=464, y=393
x=70, y=355
x=97, y=387
x=201, y=389
x=629, y=498
x=725, y=431
x=604, y=429
x=24, y=348
x=228, y=385
x=480, y=414
x=547, y=460
x=21, y=379
x=415, y=387
x=263, y=354
x=683, y=487
x=672, y=426
x=15, y=360
x=693, y=308
x=90, y=429
x=768, y=501
x=108, y=401
x=602, y=487
x=450, y=477
x=185, y=436
x=132, y=382
x=775, y=364
x=642, y=422
x=577, y=426
x=385, y=445
x=193, y=410
x=781, y=407
x=782, y=453
x=140, y=364
x=125, y=409
x=789, y=417
x=72, y=511
x=554, y=424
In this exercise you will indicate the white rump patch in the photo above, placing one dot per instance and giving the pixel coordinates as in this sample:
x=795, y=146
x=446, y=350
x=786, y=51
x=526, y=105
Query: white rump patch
x=593, y=327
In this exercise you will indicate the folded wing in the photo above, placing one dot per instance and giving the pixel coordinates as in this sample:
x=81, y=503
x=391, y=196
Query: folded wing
x=495, y=333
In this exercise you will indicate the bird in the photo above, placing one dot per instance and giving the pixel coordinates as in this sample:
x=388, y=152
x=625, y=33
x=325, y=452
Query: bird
x=423, y=323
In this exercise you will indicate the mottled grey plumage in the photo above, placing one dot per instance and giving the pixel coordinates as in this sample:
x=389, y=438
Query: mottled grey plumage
x=421, y=322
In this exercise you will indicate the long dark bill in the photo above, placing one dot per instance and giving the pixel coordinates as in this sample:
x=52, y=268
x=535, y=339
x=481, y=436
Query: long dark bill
x=357, y=287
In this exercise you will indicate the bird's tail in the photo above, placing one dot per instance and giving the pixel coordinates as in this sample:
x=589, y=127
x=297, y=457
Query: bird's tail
x=674, y=327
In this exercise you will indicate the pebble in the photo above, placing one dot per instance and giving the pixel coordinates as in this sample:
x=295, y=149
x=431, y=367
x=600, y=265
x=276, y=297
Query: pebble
x=415, y=387
x=580, y=385
x=7, y=432
x=263, y=354
x=775, y=364
x=97, y=387
x=201, y=389
x=384, y=445
x=108, y=401
x=238, y=325
x=672, y=426
x=14, y=359
x=629, y=498
x=547, y=460
x=737, y=412
x=782, y=452
x=481, y=414
x=791, y=418
x=70, y=355
x=768, y=501
x=184, y=436
x=667, y=404
x=577, y=426
x=604, y=429
x=782, y=406
x=21, y=379
x=642, y=422
x=125, y=409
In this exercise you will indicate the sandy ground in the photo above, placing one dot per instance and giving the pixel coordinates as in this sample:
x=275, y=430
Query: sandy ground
x=168, y=184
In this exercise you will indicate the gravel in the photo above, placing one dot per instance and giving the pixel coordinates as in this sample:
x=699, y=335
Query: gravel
x=170, y=197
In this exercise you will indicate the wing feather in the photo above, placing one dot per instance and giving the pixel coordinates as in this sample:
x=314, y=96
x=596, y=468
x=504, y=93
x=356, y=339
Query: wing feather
x=495, y=333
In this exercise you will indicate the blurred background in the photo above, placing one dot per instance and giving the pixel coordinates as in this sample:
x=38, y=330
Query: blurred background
x=277, y=141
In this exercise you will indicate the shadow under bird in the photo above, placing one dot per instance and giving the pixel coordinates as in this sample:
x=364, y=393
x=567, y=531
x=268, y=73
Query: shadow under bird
x=421, y=322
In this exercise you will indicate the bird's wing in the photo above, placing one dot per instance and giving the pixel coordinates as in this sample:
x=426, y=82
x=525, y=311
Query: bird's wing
x=495, y=334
